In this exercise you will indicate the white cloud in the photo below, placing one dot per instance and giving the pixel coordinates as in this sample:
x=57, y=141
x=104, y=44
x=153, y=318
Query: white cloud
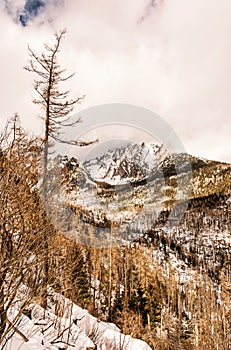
x=176, y=62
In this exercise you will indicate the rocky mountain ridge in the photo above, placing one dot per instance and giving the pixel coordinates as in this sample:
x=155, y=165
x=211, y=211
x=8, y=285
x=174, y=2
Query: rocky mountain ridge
x=127, y=164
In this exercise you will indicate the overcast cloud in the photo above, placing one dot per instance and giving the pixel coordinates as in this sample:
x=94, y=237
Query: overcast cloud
x=173, y=58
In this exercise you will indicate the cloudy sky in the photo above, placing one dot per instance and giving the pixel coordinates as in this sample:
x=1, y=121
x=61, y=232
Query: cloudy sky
x=170, y=56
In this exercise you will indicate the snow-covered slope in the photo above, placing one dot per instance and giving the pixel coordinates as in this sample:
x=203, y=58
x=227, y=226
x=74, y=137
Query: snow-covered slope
x=126, y=164
x=64, y=326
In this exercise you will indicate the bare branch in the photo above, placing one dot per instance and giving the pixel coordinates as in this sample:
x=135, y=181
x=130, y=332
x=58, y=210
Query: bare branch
x=74, y=142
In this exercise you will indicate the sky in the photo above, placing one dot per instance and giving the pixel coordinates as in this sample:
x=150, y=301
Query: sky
x=170, y=56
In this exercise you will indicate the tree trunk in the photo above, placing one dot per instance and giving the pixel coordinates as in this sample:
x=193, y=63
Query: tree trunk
x=2, y=311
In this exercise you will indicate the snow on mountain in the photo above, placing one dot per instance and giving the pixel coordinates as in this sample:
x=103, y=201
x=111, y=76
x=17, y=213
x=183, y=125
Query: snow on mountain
x=121, y=197
x=127, y=164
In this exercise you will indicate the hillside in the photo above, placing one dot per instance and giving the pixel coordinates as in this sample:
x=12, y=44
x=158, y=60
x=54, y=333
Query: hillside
x=182, y=206
x=149, y=257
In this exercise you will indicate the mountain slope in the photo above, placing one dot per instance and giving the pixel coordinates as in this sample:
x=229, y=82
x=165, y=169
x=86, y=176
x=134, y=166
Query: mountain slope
x=127, y=164
x=188, y=195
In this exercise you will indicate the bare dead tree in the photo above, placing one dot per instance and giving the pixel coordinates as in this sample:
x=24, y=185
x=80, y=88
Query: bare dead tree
x=56, y=103
x=57, y=107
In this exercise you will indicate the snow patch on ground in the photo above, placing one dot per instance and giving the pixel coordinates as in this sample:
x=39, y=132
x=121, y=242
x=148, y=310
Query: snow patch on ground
x=65, y=326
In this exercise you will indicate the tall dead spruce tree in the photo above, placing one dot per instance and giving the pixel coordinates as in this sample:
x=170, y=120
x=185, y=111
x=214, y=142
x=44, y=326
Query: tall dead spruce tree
x=57, y=107
x=56, y=103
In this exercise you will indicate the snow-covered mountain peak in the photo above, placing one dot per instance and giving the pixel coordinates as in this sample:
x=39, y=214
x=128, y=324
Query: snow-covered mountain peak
x=126, y=164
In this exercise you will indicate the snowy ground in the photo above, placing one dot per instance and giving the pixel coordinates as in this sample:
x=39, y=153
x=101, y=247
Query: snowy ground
x=65, y=326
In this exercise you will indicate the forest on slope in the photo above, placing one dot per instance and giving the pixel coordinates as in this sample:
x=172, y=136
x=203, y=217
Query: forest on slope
x=133, y=285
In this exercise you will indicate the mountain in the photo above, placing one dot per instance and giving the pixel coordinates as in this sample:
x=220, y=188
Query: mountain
x=127, y=164
x=179, y=203
x=135, y=182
